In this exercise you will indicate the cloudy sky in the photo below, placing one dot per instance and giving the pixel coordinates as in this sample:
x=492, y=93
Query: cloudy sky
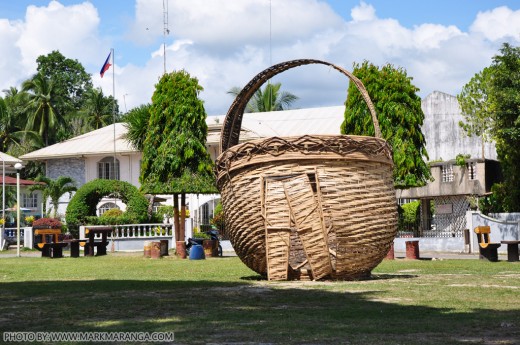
x=225, y=43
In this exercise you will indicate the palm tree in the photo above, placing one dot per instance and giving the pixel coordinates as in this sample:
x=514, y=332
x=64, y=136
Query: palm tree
x=268, y=99
x=11, y=133
x=98, y=109
x=53, y=189
x=136, y=122
x=43, y=116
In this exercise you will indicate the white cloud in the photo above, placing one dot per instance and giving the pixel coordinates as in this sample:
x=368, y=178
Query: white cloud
x=73, y=30
x=70, y=29
x=10, y=63
x=498, y=24
x=363, y=12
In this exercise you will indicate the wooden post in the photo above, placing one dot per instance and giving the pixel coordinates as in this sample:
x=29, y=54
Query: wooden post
x=182, y=232
x=176, y=222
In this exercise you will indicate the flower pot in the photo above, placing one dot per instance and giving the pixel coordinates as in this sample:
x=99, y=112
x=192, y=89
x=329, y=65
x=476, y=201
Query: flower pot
x=209, y=248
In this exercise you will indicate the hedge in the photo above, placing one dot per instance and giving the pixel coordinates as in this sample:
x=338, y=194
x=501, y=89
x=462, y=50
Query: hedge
x=83, y=203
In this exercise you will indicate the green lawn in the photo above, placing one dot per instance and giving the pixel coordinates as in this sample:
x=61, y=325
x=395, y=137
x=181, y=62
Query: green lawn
x=220, y=301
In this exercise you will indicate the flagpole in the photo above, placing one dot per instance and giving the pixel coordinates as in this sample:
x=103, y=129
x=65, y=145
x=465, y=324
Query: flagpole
x=114, y=122
x=114, y=111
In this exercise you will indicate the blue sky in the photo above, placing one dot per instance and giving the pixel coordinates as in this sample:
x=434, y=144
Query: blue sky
x=224, y=43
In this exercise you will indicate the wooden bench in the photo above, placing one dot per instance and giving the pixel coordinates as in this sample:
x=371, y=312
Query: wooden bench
x=52, y=248
x=92, y=243
x=101, y=248
x=487, y=250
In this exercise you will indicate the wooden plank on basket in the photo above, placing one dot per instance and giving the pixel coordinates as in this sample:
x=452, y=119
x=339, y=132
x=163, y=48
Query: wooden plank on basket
x=277, y=248
x=307, y=216
x=277, y=229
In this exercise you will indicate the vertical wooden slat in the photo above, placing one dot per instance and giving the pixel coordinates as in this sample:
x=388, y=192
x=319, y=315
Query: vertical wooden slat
x=307, y=217
x=277, y=229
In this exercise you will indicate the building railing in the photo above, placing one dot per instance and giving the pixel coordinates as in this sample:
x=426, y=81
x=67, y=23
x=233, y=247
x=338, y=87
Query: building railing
x=10, y=235
x=143, y=230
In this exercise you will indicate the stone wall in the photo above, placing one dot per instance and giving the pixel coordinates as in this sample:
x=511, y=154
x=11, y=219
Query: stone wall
x=71, y=167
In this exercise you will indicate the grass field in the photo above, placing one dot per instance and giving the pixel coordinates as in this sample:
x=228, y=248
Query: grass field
x=221, y=301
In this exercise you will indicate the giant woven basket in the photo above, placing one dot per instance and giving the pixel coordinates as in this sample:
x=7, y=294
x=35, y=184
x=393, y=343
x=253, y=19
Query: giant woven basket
x=314, y=206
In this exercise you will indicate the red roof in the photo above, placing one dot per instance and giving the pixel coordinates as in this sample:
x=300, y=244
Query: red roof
x=11, y=181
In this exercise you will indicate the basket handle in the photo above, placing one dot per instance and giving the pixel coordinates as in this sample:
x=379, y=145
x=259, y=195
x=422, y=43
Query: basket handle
x=230, y=134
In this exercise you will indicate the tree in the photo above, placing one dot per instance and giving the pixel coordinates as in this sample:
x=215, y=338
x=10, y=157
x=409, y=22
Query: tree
x=268, y=99
x=400, y=117
x=476, y=106
x=43, y=116
x=53, y=189
x=505, y=98
x=13, y=135
x=136, y=123
x=70, y=78
x=98, y=109
x=175, y=159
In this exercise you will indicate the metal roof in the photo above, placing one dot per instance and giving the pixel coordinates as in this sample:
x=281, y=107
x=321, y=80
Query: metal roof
x=9, y=160
x=98, y=142
x=295, y=122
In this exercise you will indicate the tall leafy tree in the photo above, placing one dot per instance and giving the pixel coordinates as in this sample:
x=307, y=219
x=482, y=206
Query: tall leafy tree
x=12, y=134
x=43, y=115
x=505, y=99
x=476, y=106
x=400, y=116
x=270, y=98
x=53, y=190
x=70, y=79
x=136, y=123
x=175, y=159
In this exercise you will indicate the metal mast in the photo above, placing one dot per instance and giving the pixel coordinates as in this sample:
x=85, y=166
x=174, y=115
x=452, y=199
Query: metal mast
x=166, y=31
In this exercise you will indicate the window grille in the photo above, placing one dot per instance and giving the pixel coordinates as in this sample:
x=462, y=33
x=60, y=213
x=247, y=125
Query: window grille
x=472, y=170
x=107, y=206
x=106, y=169
x=30, y=200
x=447, y=173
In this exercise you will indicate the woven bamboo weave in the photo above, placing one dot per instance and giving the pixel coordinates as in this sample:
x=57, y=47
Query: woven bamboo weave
x=323, y=205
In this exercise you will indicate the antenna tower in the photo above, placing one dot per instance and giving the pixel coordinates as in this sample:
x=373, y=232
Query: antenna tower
x=166, y=30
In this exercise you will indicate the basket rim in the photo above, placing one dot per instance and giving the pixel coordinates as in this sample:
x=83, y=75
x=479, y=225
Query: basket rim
x=303, y=148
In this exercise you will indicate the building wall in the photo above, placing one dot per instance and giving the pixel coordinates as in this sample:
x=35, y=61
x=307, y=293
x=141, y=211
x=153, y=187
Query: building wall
x=444, y=137
x=461, y=184
x=129, y=167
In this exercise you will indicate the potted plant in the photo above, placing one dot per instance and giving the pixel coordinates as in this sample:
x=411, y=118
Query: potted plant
x=29, y=220
x=47, y=223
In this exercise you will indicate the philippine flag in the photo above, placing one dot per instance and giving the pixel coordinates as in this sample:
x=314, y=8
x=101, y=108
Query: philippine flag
x=106, y=66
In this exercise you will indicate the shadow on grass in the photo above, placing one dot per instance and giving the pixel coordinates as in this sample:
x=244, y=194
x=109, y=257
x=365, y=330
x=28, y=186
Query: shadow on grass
x=201, y=312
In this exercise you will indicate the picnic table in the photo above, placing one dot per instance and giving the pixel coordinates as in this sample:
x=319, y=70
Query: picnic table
x=512, y=250
x=52, y=248
x=91, y=243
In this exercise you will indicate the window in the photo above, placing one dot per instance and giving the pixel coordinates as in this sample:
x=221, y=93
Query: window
x=30, y=200
x=106, y=169
x=472, y=170
x=447, y=173
x=107, y=206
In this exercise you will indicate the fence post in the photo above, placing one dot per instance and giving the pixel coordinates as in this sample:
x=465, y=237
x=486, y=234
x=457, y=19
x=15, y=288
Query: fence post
x=467, y=248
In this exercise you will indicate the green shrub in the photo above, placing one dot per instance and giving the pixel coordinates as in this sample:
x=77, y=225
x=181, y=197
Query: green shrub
x=83, y=203
x=409, y=216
